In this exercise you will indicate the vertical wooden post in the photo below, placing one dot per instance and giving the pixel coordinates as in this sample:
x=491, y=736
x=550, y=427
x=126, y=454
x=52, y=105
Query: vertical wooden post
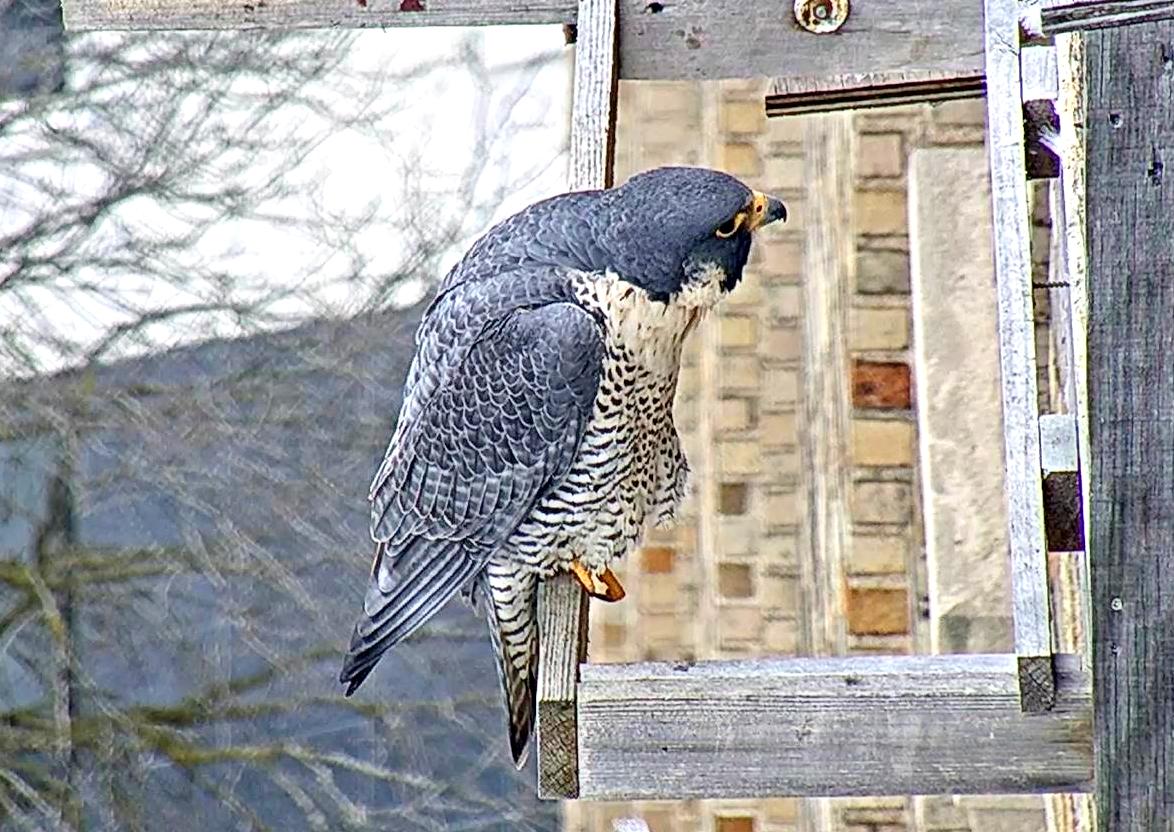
x=829, y=153
x=562, y=604
x=1130, y=158
x=1029, y=578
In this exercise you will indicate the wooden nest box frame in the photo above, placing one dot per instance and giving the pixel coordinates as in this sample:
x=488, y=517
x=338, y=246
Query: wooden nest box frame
x=1024, y=722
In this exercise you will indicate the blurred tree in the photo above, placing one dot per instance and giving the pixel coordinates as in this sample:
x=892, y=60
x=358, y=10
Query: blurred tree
x=183, y=530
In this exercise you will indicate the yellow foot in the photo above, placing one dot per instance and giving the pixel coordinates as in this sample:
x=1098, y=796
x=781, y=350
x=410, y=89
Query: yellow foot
x=612, y=590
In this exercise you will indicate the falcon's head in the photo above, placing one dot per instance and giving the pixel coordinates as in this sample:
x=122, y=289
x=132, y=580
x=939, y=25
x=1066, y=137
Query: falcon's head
x=682, y=234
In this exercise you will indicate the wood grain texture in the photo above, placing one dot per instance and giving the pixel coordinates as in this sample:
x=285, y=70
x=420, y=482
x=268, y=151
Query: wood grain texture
x=1060, y=16
x=82, y=15
x=815, y=727
x=803, y=94
x=593, y=110
x=1029, y=581
x=690, y=39
x=699, y=39
x=1069, y=571
x=562, y=629
x=829, y=147
x=1130, y=73
x=562, y=604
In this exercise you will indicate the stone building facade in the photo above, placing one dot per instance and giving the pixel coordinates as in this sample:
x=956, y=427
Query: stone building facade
x=724, y=582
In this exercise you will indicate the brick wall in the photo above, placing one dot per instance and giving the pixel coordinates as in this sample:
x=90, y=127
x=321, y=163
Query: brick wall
x=723, y=581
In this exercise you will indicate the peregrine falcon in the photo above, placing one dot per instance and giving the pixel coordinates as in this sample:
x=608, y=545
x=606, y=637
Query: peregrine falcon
x=536, y=433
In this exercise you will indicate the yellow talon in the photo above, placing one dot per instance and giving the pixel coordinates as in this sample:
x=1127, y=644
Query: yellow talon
x=612, y=590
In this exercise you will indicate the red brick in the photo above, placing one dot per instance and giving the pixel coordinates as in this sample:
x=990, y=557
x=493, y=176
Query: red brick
x=881, y=385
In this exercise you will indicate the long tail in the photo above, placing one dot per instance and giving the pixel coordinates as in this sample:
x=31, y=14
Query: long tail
x=512, y=609
x=405, y=591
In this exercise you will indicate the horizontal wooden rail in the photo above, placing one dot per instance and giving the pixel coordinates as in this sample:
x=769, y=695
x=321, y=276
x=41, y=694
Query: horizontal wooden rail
x=828, y=727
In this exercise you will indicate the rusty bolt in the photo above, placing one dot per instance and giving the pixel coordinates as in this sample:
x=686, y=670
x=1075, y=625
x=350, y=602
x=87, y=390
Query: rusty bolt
x=821, y=16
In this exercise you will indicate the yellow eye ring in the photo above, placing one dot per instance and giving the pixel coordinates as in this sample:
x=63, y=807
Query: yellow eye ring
x=730, y=227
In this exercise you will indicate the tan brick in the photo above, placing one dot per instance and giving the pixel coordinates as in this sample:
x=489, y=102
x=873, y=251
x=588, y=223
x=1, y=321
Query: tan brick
x=739, y=372
x=781, y=508
x=740, y=159
x=781, y=809
x=780, y=463
x=657, y=560
x=881, y=212
x=739, y=457
x=785, y=172
x=780, y=387
x=732, y=497
x=736, y=534
x=781, y=259
x=784, y=301
x=779, y=428
x=882, y=272
x=667, y=99
x=735, y=331
x=614, y=635
x=734, y=414
x=877, y=442
x=739, y=624
x=779, y=592
x=877, y=555
x=661, y=629
x=735, y=580
x=788, y=129
x=877, y=611
x=748, y=293
x=777, y=548
x=781, y=636
x=659, y=593
x=782, y=343
x=743, y=117
x=966, y=111
x=881, y=502
x=880, y=155
x=659, y=820
x=878, y=329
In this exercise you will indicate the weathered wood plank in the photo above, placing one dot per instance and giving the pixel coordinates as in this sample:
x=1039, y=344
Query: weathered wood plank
x=81, y=15
x=1054, y=17
x=689, y=39
x=1029, y=581
x=1130, y=133
x=803, y=94
x=562, y=632
x=712, y=39
x=846, y=726
x=562, y=603
x=829, y=147
x=593, y=110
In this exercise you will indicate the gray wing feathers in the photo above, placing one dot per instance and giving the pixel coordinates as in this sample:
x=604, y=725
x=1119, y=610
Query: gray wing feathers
x=470, y=459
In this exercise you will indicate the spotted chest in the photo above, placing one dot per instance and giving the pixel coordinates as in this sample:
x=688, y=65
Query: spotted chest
x=630, y=469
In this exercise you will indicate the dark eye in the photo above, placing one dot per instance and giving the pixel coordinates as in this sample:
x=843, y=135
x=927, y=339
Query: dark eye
x=730, y=226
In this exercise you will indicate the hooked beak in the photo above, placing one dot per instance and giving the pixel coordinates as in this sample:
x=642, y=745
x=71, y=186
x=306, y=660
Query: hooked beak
x=764, y=210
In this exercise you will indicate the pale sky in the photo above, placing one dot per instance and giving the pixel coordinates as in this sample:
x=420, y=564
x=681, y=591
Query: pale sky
x=355, y=171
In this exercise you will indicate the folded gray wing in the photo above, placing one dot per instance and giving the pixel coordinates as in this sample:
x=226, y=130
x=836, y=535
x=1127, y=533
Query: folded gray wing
x=499, y=428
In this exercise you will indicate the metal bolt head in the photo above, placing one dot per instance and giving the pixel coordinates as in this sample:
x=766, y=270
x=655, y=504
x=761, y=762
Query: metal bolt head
x=821, y=16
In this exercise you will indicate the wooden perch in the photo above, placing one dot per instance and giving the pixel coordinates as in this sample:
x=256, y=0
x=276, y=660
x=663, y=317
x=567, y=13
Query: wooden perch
x=829, y=727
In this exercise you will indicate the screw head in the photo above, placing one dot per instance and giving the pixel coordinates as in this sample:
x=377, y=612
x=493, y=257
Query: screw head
x=821, y=16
